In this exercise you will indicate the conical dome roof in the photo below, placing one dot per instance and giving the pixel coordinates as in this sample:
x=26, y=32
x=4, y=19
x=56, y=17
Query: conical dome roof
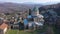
x=35, y=9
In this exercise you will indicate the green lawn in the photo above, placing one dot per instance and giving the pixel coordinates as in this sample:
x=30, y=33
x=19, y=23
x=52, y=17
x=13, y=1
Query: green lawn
x=12, y=32
x=24, y=32
x=19, y=32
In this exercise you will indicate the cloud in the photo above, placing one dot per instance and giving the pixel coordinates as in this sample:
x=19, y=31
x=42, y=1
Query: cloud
x=35, y=1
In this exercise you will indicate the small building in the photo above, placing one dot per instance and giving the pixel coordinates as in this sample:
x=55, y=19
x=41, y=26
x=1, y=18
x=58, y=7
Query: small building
x=15, y=26
x=3, y=28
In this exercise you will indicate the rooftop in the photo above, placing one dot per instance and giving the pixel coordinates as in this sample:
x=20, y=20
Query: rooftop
x=3, y=26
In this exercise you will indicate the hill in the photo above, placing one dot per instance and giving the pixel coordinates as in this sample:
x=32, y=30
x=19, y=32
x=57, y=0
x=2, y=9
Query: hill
x=13, y=7
x=55, y=7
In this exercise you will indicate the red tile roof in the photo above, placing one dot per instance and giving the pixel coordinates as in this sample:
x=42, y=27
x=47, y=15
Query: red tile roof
x=3, y=26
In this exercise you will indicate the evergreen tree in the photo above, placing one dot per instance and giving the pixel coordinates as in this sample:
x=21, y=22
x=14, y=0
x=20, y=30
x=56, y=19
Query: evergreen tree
x=29, y=11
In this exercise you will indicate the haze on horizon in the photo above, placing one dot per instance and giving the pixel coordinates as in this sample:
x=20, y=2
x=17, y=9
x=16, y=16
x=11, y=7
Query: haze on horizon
x=32, y=1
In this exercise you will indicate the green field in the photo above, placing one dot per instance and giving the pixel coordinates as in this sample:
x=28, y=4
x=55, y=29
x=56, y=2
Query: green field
x=22, y=32
x=12, y=32
x=19, y=32
x=26, y=32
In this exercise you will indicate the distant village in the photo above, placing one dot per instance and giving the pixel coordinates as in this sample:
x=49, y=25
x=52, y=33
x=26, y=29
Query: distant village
x=28, y=20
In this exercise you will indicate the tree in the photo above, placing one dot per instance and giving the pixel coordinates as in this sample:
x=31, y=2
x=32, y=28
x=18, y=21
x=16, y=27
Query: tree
x=29, y=11
x=49, y=30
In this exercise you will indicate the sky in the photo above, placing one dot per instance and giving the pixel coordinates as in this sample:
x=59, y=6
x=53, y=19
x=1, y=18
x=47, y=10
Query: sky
x=31, y=1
